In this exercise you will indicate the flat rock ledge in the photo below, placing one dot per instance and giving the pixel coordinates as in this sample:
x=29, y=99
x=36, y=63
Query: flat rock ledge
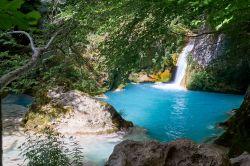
x=177, y=153
x=89, y=116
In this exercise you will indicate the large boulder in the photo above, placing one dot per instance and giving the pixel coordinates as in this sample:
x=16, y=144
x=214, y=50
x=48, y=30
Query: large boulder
x=242, y=160
x=177, y=153
x=89, y=116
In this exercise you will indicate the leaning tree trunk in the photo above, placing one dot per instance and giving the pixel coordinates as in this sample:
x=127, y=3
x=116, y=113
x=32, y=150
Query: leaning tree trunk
x=15, y=74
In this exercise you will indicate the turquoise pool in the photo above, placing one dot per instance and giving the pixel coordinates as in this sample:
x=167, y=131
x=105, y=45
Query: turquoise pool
x=174, y=113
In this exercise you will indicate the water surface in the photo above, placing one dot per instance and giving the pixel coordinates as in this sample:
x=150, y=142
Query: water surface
x=171, y=113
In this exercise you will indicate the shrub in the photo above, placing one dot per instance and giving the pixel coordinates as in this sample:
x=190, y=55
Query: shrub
x=51, y=149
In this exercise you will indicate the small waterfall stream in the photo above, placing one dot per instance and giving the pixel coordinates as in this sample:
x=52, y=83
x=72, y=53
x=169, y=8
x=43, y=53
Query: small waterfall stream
x=181, y=68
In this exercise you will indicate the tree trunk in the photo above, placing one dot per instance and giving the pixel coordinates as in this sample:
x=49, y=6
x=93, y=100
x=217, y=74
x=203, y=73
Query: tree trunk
x=15, y=74
x=9, y=77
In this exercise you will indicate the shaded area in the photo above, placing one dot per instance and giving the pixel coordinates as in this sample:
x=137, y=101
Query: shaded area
x=13, y=110
x=237, y=135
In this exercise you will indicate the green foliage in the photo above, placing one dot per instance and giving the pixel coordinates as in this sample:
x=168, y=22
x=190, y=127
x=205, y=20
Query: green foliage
x=11, y=16
x=127, y=36
x=50, y=149
x=202, y=80
x=108, y=40
x=227, y=14
x=11, y=62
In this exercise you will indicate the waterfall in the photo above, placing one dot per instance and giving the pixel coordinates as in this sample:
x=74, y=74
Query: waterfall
x=180, y=71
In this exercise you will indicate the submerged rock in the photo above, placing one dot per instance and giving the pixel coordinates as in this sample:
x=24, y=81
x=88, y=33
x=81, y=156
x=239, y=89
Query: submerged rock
x=177, y=153
x=89, y=116
x=11, y=117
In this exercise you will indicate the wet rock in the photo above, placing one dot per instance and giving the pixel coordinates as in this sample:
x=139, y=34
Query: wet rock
x=208, y=47
x=177, y=153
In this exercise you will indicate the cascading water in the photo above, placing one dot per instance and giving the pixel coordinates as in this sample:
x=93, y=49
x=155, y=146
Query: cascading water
x=181, y=68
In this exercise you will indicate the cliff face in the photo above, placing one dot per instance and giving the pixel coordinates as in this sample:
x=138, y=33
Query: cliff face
x=237, y=134
x=208, y=47
x=219, y=62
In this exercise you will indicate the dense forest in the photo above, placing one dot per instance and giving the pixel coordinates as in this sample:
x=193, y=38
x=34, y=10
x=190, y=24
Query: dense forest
x=97, y=46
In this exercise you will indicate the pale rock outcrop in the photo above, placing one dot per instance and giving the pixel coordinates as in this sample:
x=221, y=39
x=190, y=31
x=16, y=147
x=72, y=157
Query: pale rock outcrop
x=89, y=116
x=242, y=160
x=208, y=47
x=177, y=153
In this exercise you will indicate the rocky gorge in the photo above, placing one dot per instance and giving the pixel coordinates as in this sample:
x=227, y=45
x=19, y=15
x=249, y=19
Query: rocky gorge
x=204, y=72
x=218, y=63
x=83, y=115
x=232, y=143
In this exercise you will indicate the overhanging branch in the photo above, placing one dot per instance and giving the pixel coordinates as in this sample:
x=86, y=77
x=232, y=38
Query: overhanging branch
x=32, y=45
x=13, y=75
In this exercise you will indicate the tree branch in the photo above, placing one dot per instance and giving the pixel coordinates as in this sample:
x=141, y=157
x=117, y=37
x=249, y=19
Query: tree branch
x=51, y=40
x=26, y=34
x=15, y=74
x=196, y=35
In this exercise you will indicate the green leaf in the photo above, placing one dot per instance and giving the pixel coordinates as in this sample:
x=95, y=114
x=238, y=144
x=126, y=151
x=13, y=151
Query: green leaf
x=11, y=5
x=33, y=17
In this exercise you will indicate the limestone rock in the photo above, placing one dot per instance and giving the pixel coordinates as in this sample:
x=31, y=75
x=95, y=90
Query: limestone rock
x=242, y=160
x=89, y=115
x=177, y=153
x=208, y=47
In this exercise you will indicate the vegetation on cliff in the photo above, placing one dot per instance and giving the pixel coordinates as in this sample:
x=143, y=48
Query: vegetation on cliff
x=102, y=42
x=107, y=41
x=220, y=64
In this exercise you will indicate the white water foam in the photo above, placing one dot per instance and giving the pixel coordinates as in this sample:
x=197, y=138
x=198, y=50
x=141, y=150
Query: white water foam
x=180, y=72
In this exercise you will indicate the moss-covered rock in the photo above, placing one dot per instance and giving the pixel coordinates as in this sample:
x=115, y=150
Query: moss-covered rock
x=219, y=62
x=143, y=76
x=73, y=112
x=41, y=116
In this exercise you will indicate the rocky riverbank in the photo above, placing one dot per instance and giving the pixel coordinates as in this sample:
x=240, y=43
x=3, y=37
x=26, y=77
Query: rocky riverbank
x=13, y=135
x=80, y=114
x=92, y=123
x=177, y=153
x=237, y=134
